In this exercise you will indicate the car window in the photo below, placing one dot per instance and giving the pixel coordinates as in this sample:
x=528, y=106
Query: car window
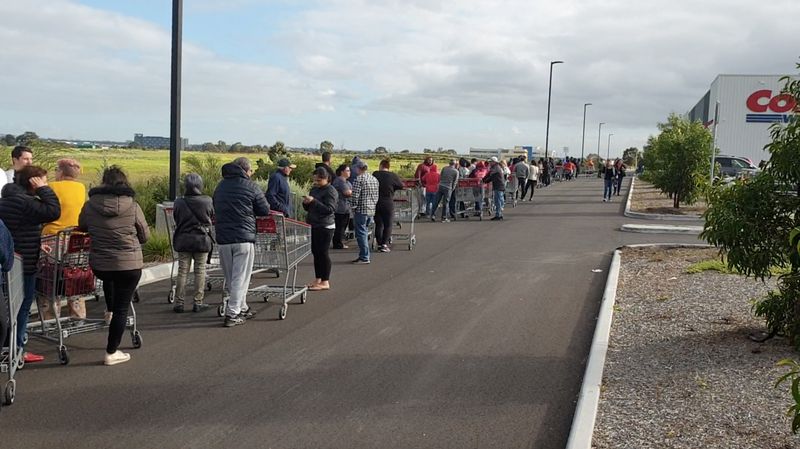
x=724, y=161
x=736, y=163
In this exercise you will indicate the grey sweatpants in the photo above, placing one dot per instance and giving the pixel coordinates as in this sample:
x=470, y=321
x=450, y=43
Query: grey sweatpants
x=237, y=267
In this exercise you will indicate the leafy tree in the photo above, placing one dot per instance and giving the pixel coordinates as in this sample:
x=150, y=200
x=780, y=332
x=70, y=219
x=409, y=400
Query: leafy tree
x=277, y=151
x=678, y=159
x=380, y=150
x=631, y=156
x=325, y=146
x=237, y=148
x=9, y=140
x=753, y=222
x=405, y=152
x=27, y=138
x=209, y=147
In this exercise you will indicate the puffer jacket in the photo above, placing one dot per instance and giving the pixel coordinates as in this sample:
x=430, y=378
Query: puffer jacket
x=193, y=215
x=116, y=224
x=237, y=202
x=24, y=214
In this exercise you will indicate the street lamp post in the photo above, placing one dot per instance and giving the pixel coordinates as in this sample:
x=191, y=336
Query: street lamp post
x=583, y=136
x=599, y=130
x=608, y=150
x=175, y=142
x=549, y=93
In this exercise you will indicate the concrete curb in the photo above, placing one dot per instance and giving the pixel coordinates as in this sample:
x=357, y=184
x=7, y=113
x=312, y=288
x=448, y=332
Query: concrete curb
x=580, y=436
x=662, y=229
x=645, y=216
x=155, y=273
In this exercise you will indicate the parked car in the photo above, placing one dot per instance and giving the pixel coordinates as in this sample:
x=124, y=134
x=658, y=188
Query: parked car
x=735, y=167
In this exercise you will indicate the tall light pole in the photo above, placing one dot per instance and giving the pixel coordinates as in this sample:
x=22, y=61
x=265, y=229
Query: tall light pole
x=583, y=136
x=599, y=129
x=608, y=150
x=175, y=142
x=549, y=93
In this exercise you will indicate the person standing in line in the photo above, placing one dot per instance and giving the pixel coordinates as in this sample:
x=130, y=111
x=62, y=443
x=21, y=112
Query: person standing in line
x=6, y=263
x=71, y=195
x=533, y=179
x=448, y=180
x=521, y=170
x=26, y=205
x=363, y=201
x=388, y=183
x=342, y=215
x=193, y=214
x=321, y=204
x=620, y=166
x=116, y=224
x=21, y=157
x=609, y=179
x=479, y=192
x=430, y=181
x=354, y=170
x=422, y=169
x=237, y=202
x=326, y=164
x=497, y=178
x=279, y=195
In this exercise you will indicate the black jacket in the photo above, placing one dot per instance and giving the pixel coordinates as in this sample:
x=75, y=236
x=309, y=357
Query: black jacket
x=388, y=183
x=237, y=202
x=320, y=211
x=495, y=176
x=24, y=214
x=193, y=217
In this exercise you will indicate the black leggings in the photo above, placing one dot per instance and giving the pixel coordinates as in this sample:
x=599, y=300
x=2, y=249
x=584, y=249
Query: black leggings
x=118, y=288
x=341, y=221
x=384, y=215
x=530, y=184
x=320, y=245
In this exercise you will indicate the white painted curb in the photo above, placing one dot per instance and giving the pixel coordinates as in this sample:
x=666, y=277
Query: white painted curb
x=155, y=273
x=662, y=229
x=580, y=436
x=645, y=216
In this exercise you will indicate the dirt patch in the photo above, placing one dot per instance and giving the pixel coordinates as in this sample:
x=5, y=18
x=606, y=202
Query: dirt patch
x=647, y=199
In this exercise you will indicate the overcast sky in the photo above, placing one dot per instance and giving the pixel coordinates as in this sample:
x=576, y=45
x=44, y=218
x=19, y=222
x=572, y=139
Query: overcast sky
x=407, y=74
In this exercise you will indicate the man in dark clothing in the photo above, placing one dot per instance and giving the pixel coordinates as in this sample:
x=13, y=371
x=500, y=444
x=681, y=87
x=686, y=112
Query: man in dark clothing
x=237, y=203
x=497, y=178
x=388, y=183
x=279, y=195
x=326, y=164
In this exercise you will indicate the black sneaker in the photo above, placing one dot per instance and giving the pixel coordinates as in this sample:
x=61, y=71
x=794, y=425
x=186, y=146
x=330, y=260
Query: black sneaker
x=234, y=321
x=178, y=308
x=247, y=314
x=360, y=262
x=199, y=307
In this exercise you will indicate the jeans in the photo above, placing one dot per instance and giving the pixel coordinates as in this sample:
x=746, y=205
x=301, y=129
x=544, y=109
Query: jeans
x=430, y=202
x=442, y=196
x=236, y=260
x=609, y=185
x=320, y=246
x=118, y=288
x=29, y=293
x=384, y=216
x=341, y=221
x=521, y=188
x=362, y=222
x=452, y=205
x=499, y=202
x=530, y=184
x=5, y=323
x=185, y=260
x=618, y=185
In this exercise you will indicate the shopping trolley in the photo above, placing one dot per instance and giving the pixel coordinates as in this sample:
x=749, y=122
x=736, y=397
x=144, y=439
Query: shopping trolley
x=468, y=195
x=64, y=274
x=406, y=208
x=511, y=190
x=281, y=244
x=10, y=357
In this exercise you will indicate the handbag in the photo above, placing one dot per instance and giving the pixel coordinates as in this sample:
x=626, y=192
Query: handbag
x=207, y=231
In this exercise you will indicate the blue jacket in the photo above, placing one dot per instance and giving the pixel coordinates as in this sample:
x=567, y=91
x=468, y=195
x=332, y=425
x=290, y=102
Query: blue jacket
x=237, y=203
x=279, y=195
x=6, y=251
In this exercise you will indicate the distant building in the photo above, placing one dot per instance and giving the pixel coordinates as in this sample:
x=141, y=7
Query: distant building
x=156, y=141
x=500, y=153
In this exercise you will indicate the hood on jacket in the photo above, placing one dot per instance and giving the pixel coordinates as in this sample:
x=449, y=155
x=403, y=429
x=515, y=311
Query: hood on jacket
x=111, y=201
x=231, y=170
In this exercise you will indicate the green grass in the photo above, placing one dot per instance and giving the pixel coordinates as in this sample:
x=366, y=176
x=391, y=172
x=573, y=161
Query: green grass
x=721, y=266
x=157, y=248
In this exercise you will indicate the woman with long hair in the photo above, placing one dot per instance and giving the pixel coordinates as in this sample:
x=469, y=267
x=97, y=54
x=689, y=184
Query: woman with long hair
x=321, y=205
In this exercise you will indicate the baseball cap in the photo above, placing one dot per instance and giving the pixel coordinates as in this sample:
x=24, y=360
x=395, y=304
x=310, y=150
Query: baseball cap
x=361, y=164
x=493, y=159
x=285, y=163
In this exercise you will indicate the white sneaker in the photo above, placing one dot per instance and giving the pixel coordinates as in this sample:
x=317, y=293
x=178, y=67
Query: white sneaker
x=116, y=358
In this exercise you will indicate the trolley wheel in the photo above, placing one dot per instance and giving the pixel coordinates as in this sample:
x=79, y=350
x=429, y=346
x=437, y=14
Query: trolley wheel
x=96, y=297
x=221, y=310
x=209, y=286
x=265, y=298
x=171, y=296
x=63, y=356
x=10, y=392
x=136, y=338
x=136, y=297
x=25, y=338
x=282, y=312
x=21, y=362
x=303, y=296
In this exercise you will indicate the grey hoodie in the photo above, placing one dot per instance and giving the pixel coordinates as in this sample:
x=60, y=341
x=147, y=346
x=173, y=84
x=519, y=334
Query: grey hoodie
x=116, y=224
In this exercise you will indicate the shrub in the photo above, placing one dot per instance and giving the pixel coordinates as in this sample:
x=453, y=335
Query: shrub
x=157, y=248
x=149, y=193
x=209, y=167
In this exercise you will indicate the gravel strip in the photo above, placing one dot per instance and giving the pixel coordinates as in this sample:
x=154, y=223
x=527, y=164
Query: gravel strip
x=680, y=370
x=648, y=199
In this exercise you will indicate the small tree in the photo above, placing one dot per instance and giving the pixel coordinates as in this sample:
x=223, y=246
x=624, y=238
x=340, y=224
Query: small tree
x=325, y=146
x=277, y=151
x=678, y=159
x=9, y=140
x=28, y=138
x=380, y=150
x=631, y=156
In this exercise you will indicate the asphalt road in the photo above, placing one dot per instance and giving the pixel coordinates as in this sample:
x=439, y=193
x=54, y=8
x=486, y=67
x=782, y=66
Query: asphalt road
x=476, y=339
